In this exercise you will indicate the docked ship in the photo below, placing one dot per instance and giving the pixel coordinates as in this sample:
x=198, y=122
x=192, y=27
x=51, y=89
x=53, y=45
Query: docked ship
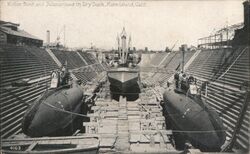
x=194, y=120
x=123, y=74
x=190, y=116
x=48, y=114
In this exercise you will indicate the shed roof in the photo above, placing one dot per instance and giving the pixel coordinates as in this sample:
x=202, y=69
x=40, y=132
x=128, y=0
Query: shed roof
x=20, y=33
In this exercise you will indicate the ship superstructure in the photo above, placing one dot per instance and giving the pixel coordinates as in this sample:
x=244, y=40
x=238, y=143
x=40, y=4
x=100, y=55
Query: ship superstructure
x=123, y=73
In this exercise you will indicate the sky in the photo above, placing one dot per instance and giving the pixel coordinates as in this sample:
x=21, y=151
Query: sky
x=152, y=24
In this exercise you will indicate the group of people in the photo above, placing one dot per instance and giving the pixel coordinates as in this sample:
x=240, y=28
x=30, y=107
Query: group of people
x=60, y=77
x=184, y=82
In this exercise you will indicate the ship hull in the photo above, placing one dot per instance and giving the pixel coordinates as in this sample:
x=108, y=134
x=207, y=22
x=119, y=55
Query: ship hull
x=46, y=116
x=123, y=80
x=200, y=124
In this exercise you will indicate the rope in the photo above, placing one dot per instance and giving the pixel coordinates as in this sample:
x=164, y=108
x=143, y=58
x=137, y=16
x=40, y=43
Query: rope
x=176, y=131
x=181, y=131
x=193, y=131
x=83, y=67
x=64, y=111
x=163, y=60
x=232, y=64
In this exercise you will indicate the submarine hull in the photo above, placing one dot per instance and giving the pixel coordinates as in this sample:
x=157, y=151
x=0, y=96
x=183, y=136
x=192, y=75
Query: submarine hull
x=123, y=79
x=47, y=117
x=200, y=124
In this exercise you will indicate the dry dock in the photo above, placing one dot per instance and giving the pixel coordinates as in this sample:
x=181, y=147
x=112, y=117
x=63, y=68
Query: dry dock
x=129, y=126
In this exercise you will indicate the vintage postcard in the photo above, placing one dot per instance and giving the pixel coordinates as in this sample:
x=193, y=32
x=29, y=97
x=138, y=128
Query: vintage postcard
x=124, y=76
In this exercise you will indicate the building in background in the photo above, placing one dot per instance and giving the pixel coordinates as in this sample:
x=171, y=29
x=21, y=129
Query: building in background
x=11, y=34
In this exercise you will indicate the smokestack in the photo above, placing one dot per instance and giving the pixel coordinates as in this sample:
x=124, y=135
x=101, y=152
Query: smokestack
x=246, y=13
x=48, y=36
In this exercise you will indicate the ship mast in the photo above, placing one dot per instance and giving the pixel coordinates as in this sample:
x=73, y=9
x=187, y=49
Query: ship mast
x=124, y=46
x=64, y=35
x=129, y=43
x=118, y=45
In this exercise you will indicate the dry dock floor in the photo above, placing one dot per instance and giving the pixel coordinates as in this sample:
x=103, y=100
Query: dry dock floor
x=129, y=126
